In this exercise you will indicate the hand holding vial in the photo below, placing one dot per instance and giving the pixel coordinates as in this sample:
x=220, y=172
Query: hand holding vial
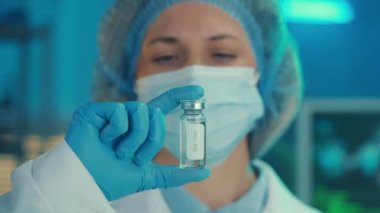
x=122, y=139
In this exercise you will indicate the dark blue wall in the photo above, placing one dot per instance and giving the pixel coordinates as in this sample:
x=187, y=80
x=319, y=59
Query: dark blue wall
x=342, y=60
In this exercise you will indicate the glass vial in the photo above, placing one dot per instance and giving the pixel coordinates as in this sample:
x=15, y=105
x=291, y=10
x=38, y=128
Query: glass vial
x=193, y=134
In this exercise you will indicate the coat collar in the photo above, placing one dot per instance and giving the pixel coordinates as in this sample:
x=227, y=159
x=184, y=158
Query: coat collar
x=280, y=199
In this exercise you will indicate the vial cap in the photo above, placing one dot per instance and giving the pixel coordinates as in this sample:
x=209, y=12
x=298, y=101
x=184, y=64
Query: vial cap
x=193, y=104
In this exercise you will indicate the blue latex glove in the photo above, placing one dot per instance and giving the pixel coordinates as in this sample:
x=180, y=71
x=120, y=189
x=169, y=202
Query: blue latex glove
x=116, y=142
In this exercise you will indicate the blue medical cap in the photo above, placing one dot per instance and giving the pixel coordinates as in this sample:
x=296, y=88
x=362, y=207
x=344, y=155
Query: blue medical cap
x=153, y=9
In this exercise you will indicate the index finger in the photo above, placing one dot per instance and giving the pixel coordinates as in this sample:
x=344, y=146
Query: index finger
x=169, y=100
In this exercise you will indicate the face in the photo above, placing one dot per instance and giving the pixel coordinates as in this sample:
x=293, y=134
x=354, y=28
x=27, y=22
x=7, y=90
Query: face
x=193, y=34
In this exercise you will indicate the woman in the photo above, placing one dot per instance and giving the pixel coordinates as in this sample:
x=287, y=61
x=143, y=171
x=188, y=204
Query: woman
x=235, y=54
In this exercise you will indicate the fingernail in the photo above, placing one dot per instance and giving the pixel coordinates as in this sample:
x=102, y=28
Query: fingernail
x=120, y=155
x=138, y=160
x=200, y=90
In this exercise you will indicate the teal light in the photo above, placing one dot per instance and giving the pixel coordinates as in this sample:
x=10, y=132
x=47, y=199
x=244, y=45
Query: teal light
x=318, y=11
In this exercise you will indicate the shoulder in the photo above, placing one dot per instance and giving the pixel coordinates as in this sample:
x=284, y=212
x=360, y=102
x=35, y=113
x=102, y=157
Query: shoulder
x=280, y=199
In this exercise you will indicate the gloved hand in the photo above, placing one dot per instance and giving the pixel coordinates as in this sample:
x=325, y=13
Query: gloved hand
x=116, y=142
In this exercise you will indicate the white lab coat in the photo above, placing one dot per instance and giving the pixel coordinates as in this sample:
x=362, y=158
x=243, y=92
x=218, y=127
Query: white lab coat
x=58, y=182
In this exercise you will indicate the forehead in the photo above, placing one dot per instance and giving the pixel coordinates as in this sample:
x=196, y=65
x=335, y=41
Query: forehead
x=194, y=18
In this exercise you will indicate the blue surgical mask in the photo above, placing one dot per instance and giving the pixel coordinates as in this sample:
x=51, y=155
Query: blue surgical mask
x=233, y=105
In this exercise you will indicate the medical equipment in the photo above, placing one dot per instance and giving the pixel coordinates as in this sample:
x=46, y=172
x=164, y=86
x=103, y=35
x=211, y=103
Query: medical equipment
x=193, y=134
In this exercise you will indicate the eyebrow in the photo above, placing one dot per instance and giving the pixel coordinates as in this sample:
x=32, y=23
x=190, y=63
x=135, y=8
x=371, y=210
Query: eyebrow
x=223, y=36
x=174, y=40
x=166, y=40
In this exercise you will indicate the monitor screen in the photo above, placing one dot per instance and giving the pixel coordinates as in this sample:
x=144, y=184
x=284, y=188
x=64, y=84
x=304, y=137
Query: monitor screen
x=338, y=146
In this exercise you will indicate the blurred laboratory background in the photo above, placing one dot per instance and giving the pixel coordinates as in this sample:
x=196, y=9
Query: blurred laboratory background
x=330, y=157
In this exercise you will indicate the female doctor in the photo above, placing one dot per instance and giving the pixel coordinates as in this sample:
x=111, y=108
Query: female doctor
x=235, y=54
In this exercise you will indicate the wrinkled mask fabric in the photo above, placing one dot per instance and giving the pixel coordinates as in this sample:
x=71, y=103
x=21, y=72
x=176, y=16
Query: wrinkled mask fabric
x=233, y=105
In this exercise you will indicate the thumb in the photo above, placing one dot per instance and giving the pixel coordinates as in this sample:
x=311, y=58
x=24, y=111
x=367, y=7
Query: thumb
x=171, y=176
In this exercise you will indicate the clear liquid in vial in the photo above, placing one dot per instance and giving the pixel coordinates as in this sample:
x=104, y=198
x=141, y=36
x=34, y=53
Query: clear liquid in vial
x=193, y=140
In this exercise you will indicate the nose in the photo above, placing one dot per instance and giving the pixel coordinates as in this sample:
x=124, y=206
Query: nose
x=195, y=56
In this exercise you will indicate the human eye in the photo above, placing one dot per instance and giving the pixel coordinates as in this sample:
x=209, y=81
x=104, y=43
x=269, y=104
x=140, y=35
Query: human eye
x=223, y=56
x=166, y=59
